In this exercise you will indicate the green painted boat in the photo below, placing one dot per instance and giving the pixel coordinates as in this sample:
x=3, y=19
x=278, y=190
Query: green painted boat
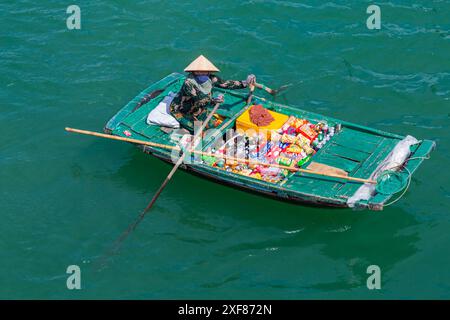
x=358, y=150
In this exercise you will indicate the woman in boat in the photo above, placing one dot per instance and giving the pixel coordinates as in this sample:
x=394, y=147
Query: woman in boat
x=190, y=103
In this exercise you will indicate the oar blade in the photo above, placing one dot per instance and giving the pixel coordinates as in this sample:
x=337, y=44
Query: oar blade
x=282, y=88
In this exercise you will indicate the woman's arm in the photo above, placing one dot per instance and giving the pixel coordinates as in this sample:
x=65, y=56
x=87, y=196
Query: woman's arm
x=228, y=84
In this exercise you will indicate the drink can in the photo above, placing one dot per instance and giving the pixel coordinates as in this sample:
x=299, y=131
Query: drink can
x=283, y=161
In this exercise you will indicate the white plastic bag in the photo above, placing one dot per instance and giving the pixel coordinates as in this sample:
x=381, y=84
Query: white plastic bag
x=161, y=116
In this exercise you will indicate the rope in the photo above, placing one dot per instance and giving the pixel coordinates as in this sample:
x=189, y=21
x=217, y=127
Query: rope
x=398, y=174
x=404, y=188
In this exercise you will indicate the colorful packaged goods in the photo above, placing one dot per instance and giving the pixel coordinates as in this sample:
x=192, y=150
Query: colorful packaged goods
x=287, y=138
x=264, y=147
x=275, y=137
x=297, y=123
x=270, y=171
x=325, y=134
x=294, y=148
x=292, y=145
x=319, y=126
x=308, y=131
x=284, y=161
x=287, y=124
x=305, y=144
x=209, y=160
x=246, y=171
x=303, y=161
x=273, y=153
x=256, y=175
x=292, y=156
x=320, y=137
x=283, y=145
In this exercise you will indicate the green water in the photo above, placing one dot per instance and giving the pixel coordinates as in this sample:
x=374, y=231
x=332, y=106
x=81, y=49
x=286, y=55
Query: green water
x=66, y=198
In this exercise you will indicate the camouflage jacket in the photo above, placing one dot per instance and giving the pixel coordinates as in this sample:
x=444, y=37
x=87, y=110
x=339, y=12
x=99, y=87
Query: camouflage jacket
x=194, y=97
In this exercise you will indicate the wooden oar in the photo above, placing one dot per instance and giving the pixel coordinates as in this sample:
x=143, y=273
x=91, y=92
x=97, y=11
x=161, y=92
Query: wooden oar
x=275, y=165
x=273, y=92
x=250, y=95
x=320, y=167
x=163, y=185
x=240, y=160
x=269, y=90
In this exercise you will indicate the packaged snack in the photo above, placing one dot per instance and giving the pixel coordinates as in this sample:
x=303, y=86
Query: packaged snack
x=287, y=124
x=304, y=143
x=319, y=126
x=270, y=171
x=256, y=175
x=253, y=155
x=307, y=130
x=291, y=131
x=297, y=123
x=246, y=172
x=286, y=138
x=294, y=148
x=284, y=145
x=273, y=153
x=264, y=147
x=275, y=136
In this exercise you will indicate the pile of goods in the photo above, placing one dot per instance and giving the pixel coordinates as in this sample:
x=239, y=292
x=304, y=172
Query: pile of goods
x=292, y=145
x=306, y=134
x=260, y=116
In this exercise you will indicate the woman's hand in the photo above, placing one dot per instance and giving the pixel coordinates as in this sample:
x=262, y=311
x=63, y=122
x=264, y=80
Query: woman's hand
x=251, y=79
x=219, y=99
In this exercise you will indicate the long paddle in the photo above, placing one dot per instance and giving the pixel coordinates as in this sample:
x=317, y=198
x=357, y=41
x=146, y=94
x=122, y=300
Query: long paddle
x=133, y=226
x=272, y=91
x=240, y=160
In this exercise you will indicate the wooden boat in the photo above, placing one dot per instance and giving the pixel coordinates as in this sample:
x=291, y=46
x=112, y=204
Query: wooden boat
x=356, y=149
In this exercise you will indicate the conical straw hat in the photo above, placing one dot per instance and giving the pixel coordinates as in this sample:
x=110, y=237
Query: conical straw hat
x=201, y=64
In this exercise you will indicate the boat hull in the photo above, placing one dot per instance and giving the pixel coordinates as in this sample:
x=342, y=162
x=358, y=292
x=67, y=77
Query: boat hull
x=267, y=192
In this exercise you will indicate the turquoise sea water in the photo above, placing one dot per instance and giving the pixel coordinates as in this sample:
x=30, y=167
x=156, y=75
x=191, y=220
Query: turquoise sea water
x=65, y=198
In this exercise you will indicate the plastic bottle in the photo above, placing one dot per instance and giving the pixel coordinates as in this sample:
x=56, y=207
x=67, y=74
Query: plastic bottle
x=320, y=137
